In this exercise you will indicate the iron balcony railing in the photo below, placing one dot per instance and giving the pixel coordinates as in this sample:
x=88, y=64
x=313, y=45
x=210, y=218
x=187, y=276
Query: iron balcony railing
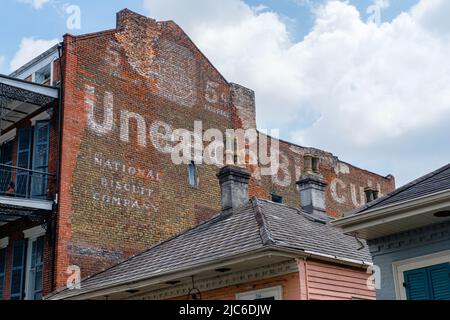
x=26, y=183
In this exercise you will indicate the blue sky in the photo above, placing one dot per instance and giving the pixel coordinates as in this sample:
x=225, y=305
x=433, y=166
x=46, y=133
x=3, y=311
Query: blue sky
x=375, y=95
x=49, y=21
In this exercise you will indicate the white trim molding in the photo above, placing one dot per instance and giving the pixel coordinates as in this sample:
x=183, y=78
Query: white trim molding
x=276, y=292
x=10, y=135
x=35, y=232
x=218, y=282
x=379, y=222
x=400, y=267
x=4, y=242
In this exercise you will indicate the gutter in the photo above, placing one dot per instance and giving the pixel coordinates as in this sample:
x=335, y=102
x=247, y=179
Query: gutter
x=58, y=167
x=360, y=263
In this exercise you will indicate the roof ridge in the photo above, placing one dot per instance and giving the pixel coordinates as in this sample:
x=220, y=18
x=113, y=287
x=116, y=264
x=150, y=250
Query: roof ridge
x=399, y=190
x=263, y=228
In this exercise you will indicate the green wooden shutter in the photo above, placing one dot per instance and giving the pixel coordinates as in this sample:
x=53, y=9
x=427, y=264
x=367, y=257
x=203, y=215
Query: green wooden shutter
x=2, y=271
x=23, y=161
x=431, y=283
x=439, y=278
x=416, y=284
x=18, y=270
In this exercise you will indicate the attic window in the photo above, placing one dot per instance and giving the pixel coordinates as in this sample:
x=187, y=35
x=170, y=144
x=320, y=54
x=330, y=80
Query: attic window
x=277, y=198
x=192, y=175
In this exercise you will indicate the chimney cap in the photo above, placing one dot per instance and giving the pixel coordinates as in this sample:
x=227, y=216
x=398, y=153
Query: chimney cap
x=312, y=178
x=232, y=172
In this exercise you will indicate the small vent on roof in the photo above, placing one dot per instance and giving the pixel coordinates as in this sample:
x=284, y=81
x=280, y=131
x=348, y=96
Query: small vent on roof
x=371, y=194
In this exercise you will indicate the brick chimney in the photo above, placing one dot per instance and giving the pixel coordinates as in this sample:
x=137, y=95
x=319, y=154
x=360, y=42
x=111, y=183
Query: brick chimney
x=312, y=188
x=233, y=187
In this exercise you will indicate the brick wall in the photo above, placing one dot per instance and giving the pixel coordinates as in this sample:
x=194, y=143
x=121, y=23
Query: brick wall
x=98, y=222
x=120, y=191
x=346, y=183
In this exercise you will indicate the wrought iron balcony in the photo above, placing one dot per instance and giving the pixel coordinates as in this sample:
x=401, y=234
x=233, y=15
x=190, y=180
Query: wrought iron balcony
x=25, y=188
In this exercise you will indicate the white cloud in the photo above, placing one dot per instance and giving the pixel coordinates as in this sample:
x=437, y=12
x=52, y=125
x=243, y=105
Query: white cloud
x=433, y=15
x=362, y=88
x=37, y=4
x=383, y=4
x=29, y=49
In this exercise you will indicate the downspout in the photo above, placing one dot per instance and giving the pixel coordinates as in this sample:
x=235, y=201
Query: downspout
x=58, y=167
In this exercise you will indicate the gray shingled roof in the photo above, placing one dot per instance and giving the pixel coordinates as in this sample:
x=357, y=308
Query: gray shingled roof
x=257, y=225
x=436, y=181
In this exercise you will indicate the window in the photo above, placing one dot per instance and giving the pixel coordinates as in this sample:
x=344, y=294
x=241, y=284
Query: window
x=423, y=278
x=192, y=175
x=27, y=265
x=274, y=293
x=40, y=159
x=23, y=161
x=35, y=268
x=277, y=198
x=34, y=263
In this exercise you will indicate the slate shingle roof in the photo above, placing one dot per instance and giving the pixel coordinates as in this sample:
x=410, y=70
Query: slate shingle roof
x=436, y=181
x=257, y=225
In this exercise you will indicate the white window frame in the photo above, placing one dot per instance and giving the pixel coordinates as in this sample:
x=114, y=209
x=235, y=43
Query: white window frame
x=276, y=292
x=41, y=116
x=31, y=71
x=399, y=267
x=31, y=235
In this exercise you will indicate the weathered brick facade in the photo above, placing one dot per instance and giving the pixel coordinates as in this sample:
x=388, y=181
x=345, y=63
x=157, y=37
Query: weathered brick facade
x=120, y=193
x=152, y=69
